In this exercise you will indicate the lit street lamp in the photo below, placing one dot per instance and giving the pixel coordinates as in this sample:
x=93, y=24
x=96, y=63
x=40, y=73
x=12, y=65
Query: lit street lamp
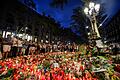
x=87, y=27
x=91, y=12
x=89, y=33
x=26, y=28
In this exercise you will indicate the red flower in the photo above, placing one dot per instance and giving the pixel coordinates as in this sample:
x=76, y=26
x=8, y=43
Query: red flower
x=117, y=68
x=82, y=67
x=94, y=78
x=86, y=75
x=80, y=78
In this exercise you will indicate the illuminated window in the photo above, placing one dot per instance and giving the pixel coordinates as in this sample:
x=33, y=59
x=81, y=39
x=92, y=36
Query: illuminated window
x=7, y=33
x=29, y=37
x=20, y=35
x=35, y=39
x=3, y=34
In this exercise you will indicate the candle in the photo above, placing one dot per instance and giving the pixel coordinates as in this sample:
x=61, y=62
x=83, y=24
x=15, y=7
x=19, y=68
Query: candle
x=42, y=77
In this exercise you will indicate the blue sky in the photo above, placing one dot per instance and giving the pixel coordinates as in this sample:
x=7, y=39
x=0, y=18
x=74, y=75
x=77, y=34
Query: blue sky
x=64, y=16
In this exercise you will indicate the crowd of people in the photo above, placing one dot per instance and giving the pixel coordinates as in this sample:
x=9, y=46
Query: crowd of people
x=16, y=46
x=51, y=61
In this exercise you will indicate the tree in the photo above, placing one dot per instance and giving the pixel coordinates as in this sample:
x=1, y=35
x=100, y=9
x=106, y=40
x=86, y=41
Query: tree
x=80, y=21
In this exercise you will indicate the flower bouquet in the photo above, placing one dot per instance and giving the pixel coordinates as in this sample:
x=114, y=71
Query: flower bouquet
x=46, y=64
x=7, y=74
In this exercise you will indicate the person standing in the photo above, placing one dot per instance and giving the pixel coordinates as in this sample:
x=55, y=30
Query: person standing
x=6, y=46
x=14, y=49
x=1, y=46
x=20, y=46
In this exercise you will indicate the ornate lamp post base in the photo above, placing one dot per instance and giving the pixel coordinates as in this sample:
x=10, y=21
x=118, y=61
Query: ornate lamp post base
x=99, y=43
x=95, y=40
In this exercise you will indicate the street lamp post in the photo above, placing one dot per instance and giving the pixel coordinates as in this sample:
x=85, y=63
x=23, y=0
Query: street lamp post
x=21, y=29
x=91, y=12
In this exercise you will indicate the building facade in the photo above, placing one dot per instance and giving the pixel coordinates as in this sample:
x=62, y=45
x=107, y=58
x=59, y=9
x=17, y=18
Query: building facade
x=112, y=30
x=18, y=19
